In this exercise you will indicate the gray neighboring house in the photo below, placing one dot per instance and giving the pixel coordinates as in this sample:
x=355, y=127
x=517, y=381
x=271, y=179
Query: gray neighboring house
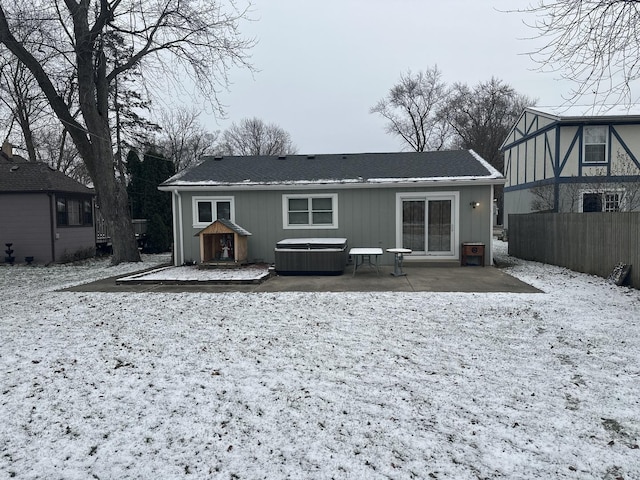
x=571, y=162
x=43, y=213
x=430, y=202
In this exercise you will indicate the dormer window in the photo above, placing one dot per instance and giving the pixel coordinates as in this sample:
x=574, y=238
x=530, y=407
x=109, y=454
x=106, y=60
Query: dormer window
x=595, y=144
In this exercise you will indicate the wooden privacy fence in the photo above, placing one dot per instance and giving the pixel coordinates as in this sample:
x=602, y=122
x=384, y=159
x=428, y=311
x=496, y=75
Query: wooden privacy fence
x=585, y=242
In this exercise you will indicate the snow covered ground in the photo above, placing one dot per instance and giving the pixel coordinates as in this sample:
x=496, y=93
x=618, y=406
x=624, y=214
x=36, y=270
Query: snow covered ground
x=191, y=273
x=318, y=385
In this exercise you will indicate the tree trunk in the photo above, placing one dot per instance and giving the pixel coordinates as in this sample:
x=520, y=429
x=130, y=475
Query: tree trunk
x=112, y=196
x=25, y=126
x=120, y=227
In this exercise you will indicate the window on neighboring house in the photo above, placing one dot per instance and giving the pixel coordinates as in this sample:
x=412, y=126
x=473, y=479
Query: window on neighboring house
x=310, y=211
x=611, y=202
x=595, y=144
x=208, y=209
x=601, y=202
x=73, y=212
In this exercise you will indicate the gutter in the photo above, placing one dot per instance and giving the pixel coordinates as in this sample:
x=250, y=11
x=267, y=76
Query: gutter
x=329, y=185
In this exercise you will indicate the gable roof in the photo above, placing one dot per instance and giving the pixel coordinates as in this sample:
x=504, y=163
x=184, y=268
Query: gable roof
x=335, y=169
x=228, y=227
x=38, y=177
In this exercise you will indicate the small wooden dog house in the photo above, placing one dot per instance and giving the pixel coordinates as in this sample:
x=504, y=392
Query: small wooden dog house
x=222, y=243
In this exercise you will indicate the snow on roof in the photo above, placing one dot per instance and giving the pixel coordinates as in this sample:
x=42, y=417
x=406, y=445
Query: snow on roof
x=348, y=169
x=590, y=111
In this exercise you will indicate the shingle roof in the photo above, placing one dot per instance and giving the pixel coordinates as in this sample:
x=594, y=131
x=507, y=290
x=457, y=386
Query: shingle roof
x=36, y=177
x=235, y=227
x=336, y=168
x=14, y=159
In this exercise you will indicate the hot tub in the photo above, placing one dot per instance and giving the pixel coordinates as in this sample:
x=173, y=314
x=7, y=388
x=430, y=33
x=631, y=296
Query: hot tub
x=304, y=256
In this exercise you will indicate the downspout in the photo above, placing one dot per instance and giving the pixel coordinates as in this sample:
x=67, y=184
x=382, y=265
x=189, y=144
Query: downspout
x=178, y=247
x=491, y=204
x=181, y=232
x=52, y=226
x=556, y=173
x=174, y=225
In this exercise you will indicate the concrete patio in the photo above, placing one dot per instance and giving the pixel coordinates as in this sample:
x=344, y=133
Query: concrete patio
x=418, y=278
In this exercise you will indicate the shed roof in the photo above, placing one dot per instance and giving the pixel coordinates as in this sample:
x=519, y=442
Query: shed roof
x=37, y=177
x=372, y=168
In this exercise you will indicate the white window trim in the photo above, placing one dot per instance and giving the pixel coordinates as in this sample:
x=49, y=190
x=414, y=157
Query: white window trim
x=606, y=146
x=455, y=219
x=194, y=209
x=619, y=191
x=285, y=211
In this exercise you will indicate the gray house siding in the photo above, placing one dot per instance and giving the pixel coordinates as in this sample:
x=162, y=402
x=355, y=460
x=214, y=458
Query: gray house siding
x=367, y=217
x=70, y=240
x=26, y=222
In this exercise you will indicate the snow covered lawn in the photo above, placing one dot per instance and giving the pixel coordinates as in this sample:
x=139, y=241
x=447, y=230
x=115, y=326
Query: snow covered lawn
x=318, y=385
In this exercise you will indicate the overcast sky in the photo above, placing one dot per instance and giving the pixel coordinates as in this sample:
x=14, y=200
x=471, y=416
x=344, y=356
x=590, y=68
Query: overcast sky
x=322, y=64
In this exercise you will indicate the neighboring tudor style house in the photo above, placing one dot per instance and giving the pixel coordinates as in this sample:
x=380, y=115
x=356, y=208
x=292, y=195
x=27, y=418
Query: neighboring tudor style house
x=45, y=215
x=429, y=202
x=567, y=163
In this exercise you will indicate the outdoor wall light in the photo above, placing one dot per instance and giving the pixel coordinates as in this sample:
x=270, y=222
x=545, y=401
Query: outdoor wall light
x=475, y=204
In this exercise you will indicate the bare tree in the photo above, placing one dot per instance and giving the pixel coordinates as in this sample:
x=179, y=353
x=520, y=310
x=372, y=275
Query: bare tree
x=623, y=183
x=593, y=43
x=166, y=39
x=625, y=180
x=183, y=140
x=627, y=168
x=252, y=136
x=22, y=99
x=481, y=117
x=543, y=198
x=411, y=110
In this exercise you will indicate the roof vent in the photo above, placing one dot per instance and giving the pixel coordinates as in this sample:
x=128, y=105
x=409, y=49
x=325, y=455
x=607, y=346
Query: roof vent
x=14, y=168
x=311, y=157
x=282, y=157
x=218, y=157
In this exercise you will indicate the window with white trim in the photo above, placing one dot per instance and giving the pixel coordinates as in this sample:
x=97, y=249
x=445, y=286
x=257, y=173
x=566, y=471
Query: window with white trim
x=310, y=211
x=595, y=144
x=207, y=210
x=611, y=202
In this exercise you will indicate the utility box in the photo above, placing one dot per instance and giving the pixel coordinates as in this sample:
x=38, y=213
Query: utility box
x=472, y=254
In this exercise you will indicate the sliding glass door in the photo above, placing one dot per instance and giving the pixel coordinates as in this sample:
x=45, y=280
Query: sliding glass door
x=413, y=224
x=427, y=224
x=439, y=226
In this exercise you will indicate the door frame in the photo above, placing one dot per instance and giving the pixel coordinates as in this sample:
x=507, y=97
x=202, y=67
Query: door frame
x=454, y=197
